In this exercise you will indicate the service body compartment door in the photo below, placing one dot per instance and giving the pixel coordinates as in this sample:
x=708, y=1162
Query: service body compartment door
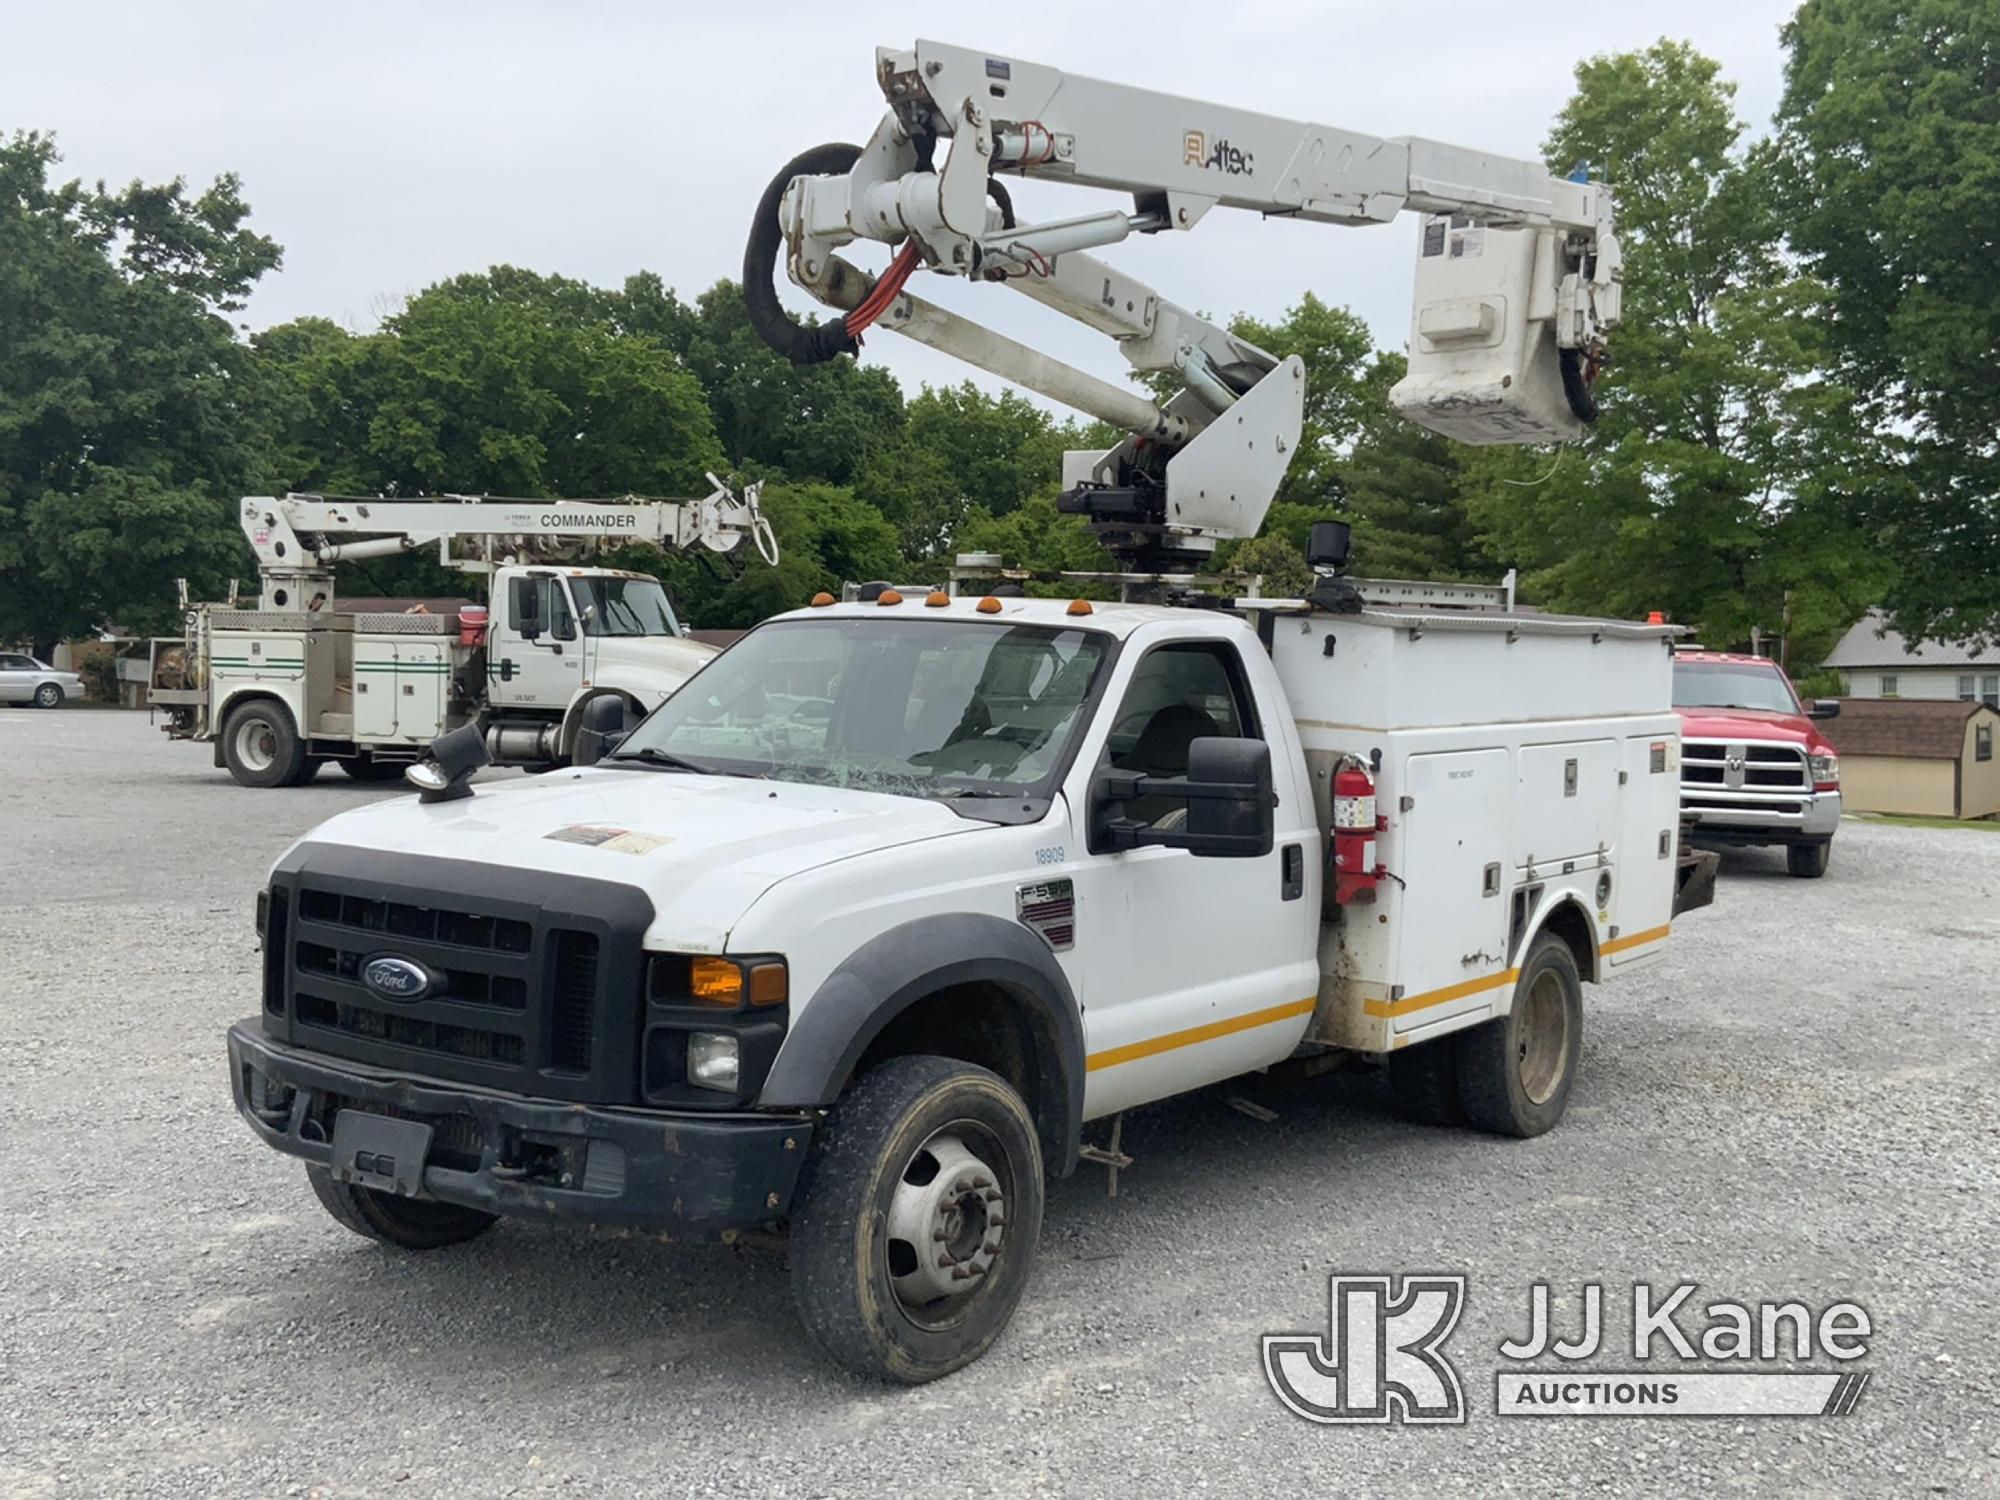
x=1568, y=800
x=423, y=681
x=1451, y=855
x=375, y=695
x=1645, y=856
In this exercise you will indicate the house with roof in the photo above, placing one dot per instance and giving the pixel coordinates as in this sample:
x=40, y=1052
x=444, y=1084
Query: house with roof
x=1927, y=758
x=1876, y=662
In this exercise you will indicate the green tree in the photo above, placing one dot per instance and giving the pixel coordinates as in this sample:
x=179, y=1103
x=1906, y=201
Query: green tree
x=963, y=455
x=1036, y=535
x=1890, y=140
x=1719, y=427
x=1405, y=495
x=1280, y=565
x=125, y=397
x=826, y=537
x=801, y=422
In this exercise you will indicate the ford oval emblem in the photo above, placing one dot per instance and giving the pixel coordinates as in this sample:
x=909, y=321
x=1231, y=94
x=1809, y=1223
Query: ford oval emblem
x=396, y=978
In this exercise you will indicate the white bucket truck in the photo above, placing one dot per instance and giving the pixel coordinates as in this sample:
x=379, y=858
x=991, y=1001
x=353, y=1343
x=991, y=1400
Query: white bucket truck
x=305, y=677
x=855, y=937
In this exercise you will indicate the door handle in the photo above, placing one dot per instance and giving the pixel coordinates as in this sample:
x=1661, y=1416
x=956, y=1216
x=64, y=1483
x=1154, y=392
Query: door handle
x=1292, y=870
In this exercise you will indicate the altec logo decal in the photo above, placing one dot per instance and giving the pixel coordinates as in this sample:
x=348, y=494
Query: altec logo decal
x=1221, y=157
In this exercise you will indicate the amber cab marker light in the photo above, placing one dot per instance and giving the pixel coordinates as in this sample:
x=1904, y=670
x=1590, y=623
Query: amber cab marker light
x=715, y=981
x=1078, y=607
x=889, y=597
x=988, y=606
x=937, y=599
x=822, y=599
x=769, y=984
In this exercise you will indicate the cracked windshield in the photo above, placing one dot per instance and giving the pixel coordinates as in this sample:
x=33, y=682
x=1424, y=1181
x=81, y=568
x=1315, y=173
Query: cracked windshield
x=932, y=709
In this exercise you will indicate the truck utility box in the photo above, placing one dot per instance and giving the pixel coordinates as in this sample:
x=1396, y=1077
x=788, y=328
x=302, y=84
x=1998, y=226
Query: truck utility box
x=1521, y=763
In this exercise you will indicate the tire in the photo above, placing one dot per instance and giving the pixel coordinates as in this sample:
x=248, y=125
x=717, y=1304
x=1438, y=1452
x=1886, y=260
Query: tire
x=406, y=1223
x=932, y=1147
x=261, y=745
x=49, y=695
x=1809, y=861
x=1514, y=1074
x=366, y=768
x=1424, y=1079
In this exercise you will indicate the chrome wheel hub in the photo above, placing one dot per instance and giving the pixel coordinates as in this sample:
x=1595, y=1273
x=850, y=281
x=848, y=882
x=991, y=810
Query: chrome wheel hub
x=947, y=1223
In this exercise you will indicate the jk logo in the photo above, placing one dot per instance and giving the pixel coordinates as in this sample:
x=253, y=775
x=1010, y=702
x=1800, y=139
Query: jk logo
x=1380, y=1359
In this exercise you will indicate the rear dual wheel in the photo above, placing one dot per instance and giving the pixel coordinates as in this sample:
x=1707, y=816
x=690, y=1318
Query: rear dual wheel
x=1511, y=1076
x=262, y=746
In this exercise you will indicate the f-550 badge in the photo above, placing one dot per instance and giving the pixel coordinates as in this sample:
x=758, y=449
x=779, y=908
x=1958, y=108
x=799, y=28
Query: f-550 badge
x=1221, y=157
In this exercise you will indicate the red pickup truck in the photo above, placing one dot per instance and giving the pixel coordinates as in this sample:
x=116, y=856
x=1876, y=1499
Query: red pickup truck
x=1754, y=767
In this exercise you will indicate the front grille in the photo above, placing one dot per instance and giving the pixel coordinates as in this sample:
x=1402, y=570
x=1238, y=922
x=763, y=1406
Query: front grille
x=1723, y=776
x=535, y=981
x=571, y=1001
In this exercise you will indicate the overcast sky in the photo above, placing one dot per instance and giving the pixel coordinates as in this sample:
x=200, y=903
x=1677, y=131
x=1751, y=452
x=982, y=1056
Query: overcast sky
x=386, y=147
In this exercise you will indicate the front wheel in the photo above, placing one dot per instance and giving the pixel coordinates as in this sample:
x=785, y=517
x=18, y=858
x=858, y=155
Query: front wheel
x=1514, y=1074
x=916, y=1224
x=364, y=767
x=406, y=1223
x=48, y=695
x=1809, y=861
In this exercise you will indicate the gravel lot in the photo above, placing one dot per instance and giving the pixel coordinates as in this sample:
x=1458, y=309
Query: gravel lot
x=1801, y=1102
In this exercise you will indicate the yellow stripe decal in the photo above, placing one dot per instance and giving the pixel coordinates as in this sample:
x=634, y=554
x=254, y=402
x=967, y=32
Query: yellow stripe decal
x=1429, y=998
x=1174, y=1039
x=1633, y=940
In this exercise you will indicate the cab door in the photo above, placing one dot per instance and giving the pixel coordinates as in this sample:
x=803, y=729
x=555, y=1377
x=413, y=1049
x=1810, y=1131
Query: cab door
x=546, y=672
x=1196, y=968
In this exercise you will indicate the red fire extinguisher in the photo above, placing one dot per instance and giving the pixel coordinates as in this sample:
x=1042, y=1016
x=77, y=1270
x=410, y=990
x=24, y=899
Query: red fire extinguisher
x=1355, y=824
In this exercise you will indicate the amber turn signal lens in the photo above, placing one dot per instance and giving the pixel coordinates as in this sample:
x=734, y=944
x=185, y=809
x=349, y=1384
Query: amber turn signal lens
x=822, y=599
x=769, y=984
x=1078, y=607
x=988, y=606
x=937, y=599
x=715, y=981
x=888, y=597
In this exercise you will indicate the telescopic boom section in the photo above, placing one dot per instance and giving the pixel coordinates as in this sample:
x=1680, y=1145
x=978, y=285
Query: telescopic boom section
x=1517, y=281
x=299, y=538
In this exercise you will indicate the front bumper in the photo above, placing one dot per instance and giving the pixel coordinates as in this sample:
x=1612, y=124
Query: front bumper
x=1735, y=819
x=532, y=1158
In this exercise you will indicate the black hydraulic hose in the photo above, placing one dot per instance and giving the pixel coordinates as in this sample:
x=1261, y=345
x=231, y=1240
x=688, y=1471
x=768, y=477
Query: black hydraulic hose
x=801, y=343
x=1575, y=388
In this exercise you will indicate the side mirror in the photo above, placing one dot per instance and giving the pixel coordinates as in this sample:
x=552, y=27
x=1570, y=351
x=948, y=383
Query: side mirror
x=1229, y=803
x=1824, y=708
x=601, y=729
x=527, y=610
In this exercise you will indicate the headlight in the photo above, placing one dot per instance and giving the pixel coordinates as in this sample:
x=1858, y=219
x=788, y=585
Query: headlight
x=713, y=1061
x=1825, y=769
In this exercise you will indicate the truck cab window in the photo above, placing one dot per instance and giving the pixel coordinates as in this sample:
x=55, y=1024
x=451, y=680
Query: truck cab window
x=1178, y=694
x=552, y=601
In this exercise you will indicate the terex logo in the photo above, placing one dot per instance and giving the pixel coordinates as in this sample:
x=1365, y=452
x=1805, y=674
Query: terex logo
x=1196, y=152
x=1379, y=1361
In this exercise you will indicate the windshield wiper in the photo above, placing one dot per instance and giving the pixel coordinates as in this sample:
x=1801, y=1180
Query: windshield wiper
x=647, y=755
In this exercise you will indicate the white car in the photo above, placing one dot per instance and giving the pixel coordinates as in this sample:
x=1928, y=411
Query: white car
x=25, y=680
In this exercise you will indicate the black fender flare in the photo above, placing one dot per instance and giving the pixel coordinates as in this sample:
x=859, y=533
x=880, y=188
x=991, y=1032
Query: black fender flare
x=896, y=969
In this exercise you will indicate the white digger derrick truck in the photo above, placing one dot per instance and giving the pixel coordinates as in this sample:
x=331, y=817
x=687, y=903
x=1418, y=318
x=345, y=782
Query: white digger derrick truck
x=889, y=914
x=305, y=676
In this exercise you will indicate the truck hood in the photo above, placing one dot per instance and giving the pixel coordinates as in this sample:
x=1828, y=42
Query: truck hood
x=1751, y=724
x=650, y=668
x=703, y=848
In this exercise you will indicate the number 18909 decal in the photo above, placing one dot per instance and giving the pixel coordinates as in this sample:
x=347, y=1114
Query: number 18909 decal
x=1051, y=856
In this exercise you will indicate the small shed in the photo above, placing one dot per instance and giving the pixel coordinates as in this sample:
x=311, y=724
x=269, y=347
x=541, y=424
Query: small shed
x=1927, y=759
